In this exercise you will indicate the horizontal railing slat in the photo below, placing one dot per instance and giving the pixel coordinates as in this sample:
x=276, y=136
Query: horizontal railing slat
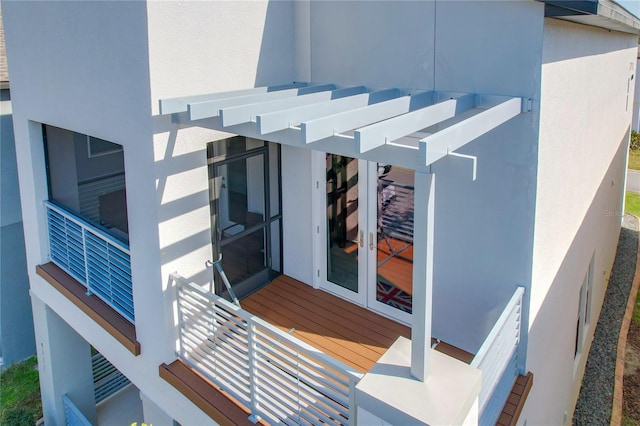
x=273, y=373
x=73, y=415
x=107, y=379
x=287, y=381
x=93, y=257
x=496, y=358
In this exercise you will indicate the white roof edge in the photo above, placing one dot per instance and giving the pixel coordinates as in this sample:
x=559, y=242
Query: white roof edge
x=610, y=9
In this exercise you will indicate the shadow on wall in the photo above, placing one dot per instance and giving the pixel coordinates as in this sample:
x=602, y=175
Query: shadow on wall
x=17, y=340
x=560, y=309
x=276, y=65
x=481, y=225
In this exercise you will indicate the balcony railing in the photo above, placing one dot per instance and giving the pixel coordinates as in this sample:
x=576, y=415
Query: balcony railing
x=73, y=415
x=497, y=359
x=107, y=379
x=93, y=257
x=275, y=375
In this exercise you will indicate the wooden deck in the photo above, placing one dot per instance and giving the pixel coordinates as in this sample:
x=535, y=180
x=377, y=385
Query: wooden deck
x=349, y=333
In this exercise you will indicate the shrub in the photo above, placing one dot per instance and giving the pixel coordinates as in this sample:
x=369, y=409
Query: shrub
x=635, y=141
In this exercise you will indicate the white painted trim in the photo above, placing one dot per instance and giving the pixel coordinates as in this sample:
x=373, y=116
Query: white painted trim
x=437, y=145
x=179, y=104
x=382, y=132
x=247, y=113
x=423, y=230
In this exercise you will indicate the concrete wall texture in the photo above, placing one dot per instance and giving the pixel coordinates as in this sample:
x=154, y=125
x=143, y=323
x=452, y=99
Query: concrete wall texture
x=584, y=133
x=16, y=323
x=477, y=267
x=532, y=218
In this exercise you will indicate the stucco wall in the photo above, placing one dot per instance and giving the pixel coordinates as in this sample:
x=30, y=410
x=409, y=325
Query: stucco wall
x=196, y=48
x=208, y=47
x=16, y=322
x=84, y=67
x=483, y=228
x=584, y=126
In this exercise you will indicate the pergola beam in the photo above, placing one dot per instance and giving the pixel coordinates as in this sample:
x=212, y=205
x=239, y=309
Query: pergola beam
x=318, y=129
x=246, y=113
x=284, y=119
x=438, y=145
x=176, y=105
x=382, y=126
x=208, y=109
x=406, y=157
x=394, y=128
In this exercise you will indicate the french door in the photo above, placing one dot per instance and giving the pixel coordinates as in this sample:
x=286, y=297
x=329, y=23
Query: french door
x=366, y=251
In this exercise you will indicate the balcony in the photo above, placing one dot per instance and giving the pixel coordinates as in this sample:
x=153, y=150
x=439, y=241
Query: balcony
x=293, y=354
x=93, y=269
x=117, y=401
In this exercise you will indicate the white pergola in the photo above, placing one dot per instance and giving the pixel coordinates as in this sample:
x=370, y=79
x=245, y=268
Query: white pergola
x=408, y=128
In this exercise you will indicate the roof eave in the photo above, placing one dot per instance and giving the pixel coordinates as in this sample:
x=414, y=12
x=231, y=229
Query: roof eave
x=605, y=14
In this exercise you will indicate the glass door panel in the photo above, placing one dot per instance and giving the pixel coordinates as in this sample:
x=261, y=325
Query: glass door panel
x=394, y=241
x=342, y=221
x=240, y=221
x=366, y=251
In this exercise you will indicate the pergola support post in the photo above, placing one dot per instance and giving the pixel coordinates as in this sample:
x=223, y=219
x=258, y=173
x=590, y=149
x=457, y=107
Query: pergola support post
x=422, y=274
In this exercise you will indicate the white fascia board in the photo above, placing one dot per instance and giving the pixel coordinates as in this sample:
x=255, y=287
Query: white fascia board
x=436, y=146
x=318, y=129
x=284, y=119
x=175, y=105
x=397, y=127
x=207, y=109
x=247, y=113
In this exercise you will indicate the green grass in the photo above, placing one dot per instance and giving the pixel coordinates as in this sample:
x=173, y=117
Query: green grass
x=629, y=421
x=634, y=159
x=632, y=203
x=20, y=402
x=636, y=311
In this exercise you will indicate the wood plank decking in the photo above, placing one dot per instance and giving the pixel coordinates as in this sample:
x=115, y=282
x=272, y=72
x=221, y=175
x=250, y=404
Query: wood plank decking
x=349, y=333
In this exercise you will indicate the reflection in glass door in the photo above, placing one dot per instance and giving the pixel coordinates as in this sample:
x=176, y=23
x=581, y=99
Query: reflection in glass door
x=394, y=242
x=367, y=251
x=342, y=221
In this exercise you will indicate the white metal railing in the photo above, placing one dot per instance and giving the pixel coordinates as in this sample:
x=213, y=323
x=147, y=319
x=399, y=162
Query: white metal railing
x=73, y=415
x=497, y=360
x=93, y=257
x=223, y=275
x=275, y=375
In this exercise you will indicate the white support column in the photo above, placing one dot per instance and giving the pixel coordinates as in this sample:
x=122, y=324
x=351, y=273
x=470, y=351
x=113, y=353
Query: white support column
x=423, y=229
x=64, y=364
x=153, y=415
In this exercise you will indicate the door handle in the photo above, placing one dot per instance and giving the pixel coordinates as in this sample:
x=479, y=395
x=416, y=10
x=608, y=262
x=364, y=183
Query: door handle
x=361, y=238
x=371, y=246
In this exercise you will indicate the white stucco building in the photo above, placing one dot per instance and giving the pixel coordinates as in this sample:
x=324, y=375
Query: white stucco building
x=16, y=324
x=436, y=183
